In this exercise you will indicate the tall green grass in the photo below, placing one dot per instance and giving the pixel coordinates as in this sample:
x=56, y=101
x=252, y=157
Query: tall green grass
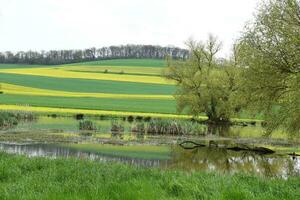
x=41, y=178
x=11, y=119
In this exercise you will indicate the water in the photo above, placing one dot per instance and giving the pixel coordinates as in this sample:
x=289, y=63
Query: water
x=199, y=159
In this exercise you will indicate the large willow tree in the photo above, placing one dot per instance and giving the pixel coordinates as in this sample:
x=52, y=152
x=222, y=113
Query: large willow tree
x=270, y=49
x=205, y=84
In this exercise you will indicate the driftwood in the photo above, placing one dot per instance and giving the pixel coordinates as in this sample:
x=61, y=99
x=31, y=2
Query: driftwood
x=294, y=154
x=258, y=150
x=195, y=145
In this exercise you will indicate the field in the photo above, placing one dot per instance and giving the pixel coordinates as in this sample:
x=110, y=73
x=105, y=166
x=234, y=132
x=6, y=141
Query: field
x=41, y=178
x=129, y=85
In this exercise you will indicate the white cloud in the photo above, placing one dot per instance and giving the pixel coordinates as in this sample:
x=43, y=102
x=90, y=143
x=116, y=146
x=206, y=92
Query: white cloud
x=68, y=24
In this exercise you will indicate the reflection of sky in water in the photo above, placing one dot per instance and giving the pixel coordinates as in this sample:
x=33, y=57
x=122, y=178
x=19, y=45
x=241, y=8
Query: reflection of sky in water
x=203, y=159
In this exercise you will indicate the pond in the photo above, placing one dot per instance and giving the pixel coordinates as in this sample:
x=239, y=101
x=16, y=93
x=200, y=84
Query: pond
x=162, y=151
x=198, y=159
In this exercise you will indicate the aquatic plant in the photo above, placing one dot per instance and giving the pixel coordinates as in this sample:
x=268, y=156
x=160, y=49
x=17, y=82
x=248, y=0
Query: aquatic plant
x=138, y=128
x=174, y=127
x=87, y=125
x=12, y=118
x=116, y=127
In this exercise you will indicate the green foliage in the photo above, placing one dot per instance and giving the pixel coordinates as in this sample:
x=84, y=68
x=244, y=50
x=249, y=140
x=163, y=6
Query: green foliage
x=87, y=125
x=117, y=127
x=174, y=127
x=7, y=120
x=205, y=83
x=11, y=119
x=270, y=50
x=41, y=178
x=138, y=128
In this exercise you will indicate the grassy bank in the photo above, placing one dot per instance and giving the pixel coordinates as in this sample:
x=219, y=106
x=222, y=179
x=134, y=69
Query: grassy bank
x=40, y=178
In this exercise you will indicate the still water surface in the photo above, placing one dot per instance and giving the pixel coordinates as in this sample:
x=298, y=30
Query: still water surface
x=199, y=159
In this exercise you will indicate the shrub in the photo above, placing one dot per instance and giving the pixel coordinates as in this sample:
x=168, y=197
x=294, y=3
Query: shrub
x=116, y=127
x=79, y=116
x=138, y=128
x=11, y=119
x=147, y=119
x=174, y=127
x=139, y=118
x=87, y=125
x=130, y=118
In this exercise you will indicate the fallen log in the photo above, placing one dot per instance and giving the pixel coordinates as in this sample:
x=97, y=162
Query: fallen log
x=195, y=145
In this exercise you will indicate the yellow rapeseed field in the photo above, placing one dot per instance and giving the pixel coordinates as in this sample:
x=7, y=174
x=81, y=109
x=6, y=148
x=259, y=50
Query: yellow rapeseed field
x=22, y=90
x=85, y=111
x=61, y=73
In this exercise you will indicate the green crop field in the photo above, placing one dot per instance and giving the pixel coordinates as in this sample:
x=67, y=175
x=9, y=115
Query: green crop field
x=126, y=62
x=138, y=105
x=138, y=80
x=86, y=85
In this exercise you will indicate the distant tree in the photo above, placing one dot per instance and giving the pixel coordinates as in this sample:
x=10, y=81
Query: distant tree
x=206, y=84
x=55, y=57
x=269, y=49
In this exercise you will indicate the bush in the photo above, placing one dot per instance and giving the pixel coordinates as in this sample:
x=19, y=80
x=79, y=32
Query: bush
x=130, y=118
x=116, y=127
x=174, y=127
x=79, y=116
x=11, y=119
x=139, y=118
x=147, y=119
x=87, y=125
x=138, y=128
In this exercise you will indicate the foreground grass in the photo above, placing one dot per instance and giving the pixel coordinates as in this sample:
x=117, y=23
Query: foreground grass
x=41, y=178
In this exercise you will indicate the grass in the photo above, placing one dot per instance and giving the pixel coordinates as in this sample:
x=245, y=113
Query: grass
x=84, y=85
x=137, y=151
x=16, y=66
x=21, y=90
x=61, y=73
x=62, y=87
x=48, y=110
x=150, y=71
x=105, y=104
x=41, y=178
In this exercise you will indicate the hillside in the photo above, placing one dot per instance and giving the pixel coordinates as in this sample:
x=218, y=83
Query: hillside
x=132, y=85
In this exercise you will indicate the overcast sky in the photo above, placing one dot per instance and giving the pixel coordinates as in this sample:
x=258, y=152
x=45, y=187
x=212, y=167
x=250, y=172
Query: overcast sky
x=76, y=24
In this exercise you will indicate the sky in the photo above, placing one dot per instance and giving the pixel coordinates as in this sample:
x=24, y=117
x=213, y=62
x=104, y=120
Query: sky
x=78, y=24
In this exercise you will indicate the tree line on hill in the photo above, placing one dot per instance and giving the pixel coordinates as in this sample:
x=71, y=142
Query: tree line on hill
x=55, y=57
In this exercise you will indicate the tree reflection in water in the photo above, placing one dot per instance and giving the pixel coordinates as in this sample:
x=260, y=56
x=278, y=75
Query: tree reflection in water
x=226, y=161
